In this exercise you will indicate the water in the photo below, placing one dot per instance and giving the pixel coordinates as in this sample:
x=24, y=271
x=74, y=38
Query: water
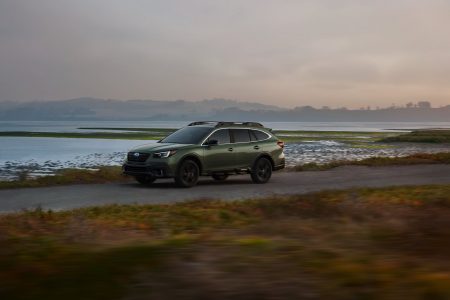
x=72, y=126
x=45, y=155
x=327, y=151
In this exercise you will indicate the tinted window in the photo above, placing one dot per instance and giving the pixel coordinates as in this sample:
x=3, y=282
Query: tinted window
x=187, y=135
x=260, y=135
x=222, y=136
x=241, y=135
x=252, y=136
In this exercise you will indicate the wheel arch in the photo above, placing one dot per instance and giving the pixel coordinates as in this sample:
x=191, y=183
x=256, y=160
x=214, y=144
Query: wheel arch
x=267, y=156
x=193, y=157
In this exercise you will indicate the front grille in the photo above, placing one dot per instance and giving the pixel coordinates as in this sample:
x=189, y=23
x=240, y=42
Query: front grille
x=137, y=156
x=135, y=169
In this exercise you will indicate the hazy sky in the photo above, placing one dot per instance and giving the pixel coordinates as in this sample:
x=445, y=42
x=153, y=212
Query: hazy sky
x=284, y=52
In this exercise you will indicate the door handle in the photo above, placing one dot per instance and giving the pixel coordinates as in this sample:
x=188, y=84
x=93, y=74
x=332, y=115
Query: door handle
x=230, y=149
x=256, y=147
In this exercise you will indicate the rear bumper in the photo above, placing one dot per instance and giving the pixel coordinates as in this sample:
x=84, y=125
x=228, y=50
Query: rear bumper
x=281, y=165
x=160, y=170
x=278, y=167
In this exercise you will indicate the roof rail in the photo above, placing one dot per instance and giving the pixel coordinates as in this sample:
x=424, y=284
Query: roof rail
x=254, y=124
x=224, y=123
x=201, y=123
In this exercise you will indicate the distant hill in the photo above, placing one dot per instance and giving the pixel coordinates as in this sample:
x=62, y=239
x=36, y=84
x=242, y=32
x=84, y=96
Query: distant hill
x=101, y=109
x=214, y=109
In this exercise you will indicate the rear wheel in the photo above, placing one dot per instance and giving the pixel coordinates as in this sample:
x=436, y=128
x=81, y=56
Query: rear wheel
x=187, y=174
x=261, y=171
x=219, y=177
x=145, y=179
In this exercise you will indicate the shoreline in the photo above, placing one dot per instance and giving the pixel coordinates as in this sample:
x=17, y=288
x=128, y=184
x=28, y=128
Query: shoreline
x=109, y=174
x=46, y=153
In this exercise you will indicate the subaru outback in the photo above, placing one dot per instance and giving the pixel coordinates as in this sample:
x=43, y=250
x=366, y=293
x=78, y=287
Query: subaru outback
x=207, y=148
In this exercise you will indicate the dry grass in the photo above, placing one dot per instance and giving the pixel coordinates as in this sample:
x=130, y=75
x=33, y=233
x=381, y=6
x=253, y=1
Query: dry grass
x=114, y=174
x=68, y=176
x=414, y=159
x=391, y=243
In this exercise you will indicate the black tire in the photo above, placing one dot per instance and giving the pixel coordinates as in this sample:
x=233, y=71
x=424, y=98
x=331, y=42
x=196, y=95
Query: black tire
x=261, y=171
x=219, y=177
x=187, y=173
x=145, y=179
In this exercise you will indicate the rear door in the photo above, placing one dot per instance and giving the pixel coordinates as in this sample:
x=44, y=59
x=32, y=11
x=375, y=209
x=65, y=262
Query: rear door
x=243, y=147
x=219, y=157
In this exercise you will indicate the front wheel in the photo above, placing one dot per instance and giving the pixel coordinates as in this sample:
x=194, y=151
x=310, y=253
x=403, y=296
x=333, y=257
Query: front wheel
x=261, y=171
x=187, y=174
x=145, y=179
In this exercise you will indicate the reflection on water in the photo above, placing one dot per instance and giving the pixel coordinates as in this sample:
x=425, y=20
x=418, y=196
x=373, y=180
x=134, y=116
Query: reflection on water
x=326, y=151
x=42, y=155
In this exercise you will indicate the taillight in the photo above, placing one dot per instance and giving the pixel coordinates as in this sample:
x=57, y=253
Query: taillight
x=281, y=144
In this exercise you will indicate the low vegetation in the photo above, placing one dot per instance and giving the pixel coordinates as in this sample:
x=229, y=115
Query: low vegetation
x=421, y=136
x=391, y=243
x=289, y=136
x=349, y=137
x=355, y=139
x=67, y=176
x=157, y=130
x=88, y=135
x=414, y=159
x=114, y=174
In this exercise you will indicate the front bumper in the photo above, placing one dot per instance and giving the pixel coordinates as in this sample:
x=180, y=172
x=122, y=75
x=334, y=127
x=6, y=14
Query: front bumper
x=158, y=170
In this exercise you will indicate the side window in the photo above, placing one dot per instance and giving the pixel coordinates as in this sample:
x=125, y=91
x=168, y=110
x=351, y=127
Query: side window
x=222, y=136
x=252, y=135
x=260, y=136
x=241, y=135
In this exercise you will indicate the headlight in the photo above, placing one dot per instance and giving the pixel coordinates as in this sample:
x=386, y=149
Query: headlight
x=164, y=154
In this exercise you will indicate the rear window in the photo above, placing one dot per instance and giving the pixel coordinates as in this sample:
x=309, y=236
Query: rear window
x=241, y=135
x=260, y=136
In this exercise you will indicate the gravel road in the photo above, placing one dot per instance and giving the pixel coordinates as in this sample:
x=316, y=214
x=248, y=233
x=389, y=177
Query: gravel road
x=236, y=187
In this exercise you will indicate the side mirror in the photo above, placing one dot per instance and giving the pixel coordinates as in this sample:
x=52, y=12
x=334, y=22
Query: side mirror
x=212, y=143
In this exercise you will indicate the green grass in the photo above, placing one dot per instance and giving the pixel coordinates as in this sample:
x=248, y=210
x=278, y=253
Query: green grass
x=421, y=136
x=68, y=176
x=289, y=136
x=391, y=243
x=162, y=130
x=87, y=135
x=361, y=138
x=414, y=159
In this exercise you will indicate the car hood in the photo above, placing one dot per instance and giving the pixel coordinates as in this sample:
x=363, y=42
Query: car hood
x=157, y=147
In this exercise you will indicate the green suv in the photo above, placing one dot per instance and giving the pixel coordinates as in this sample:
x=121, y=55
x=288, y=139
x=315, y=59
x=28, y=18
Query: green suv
x=216, y=149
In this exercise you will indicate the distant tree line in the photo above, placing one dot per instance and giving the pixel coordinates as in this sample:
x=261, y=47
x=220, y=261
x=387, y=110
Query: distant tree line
x=215, y=109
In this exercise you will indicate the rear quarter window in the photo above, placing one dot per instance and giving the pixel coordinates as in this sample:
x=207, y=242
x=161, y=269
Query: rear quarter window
x=241, y=135
x=260, y=136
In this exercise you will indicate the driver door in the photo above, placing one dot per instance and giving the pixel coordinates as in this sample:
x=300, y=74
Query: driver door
x=220, y=156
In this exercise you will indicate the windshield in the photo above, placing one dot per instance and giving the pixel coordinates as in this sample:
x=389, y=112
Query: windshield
x=188, y=135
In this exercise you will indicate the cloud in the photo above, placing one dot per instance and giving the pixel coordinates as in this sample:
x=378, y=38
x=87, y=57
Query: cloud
x=283, y=52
